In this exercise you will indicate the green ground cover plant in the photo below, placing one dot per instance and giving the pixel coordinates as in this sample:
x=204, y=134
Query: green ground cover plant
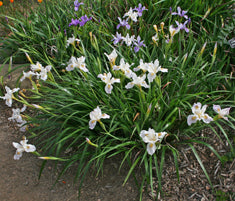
x=133, y=78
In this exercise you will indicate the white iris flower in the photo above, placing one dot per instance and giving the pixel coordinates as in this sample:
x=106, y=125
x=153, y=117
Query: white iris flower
x=151, y=137
x=43, y=73
x=198, y=114
x=9, y=95
x=95, y=116
x=129, y=40
x=77, y=63
x=112, y=57
x=221, y=112
x=124, y=67
x=28, y=75
x=106, y=78
x=153, y=68
x=16, y=116
x=23, y=146
x=72, y=41
x=139, y=81
x=143, y=66
x=131, y=14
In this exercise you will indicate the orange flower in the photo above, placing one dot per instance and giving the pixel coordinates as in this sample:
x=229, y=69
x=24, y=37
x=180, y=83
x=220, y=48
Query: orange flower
x=11, y=1
x=1, y=3
x=39, y=1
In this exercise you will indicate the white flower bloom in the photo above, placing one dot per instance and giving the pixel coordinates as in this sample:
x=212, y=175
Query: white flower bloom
x=151, y=137
x=143, y=66
x=153, y=68
x=129, y=40
x=36, y=67
x=72, y=41
x=124, y=67
x=139, y=81
x=77, y=63
x=23, y=146
x=43, y=73
x=27, y=75
x=131, y=14
x=198, y=114
x=106, y=78
x=9, y=95
x=95, y=116
x=112, y=57
x=221, y=112
x=16, y=114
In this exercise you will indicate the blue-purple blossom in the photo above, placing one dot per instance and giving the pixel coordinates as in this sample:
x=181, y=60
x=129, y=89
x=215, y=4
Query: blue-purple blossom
x=123, y=23
x=140, y=9
x=77, y=4
x=182, y=26
x=189, y=20
x=117, y=38
x=181, y=13
x=138, y=44
x=74, y=22
x=83, y=20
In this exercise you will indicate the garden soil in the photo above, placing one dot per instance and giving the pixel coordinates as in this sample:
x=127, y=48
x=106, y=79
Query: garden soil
x=19, y=179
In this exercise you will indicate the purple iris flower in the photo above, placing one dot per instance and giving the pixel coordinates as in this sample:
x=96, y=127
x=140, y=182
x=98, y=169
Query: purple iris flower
x=123, y=23
x=189, y=20
x=181, y=13
x=182, y=26
x=140, y=9
x=138, y=44
x=77, y=4
x=117, y=38
x=83, y=20
x=74, y=22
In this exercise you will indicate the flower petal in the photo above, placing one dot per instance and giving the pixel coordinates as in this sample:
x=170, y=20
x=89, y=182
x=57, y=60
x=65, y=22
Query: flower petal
x=17, y=155
x=129, y=85
x=196, y=107
x=207, y=119
x=225, y=111
x=108, y=88
x=151, y=148
x=29, y=148
x=216, y=108
x=92, y=124
x=192, y=119
x=105, y=116
x=144, y=135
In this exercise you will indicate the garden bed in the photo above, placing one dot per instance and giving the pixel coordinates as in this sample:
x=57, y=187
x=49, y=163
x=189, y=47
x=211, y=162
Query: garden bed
x=107, y=103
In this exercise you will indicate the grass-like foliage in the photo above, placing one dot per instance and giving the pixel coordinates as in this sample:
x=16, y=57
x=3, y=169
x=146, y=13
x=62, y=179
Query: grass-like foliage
x=134, y=78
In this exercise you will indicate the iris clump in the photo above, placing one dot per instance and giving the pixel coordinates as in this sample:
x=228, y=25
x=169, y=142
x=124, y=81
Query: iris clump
x=131, y=15
x=137, y=81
